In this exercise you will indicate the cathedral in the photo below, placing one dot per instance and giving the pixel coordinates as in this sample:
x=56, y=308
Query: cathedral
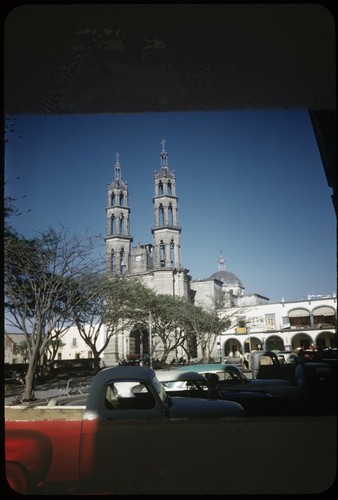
x=158, y=264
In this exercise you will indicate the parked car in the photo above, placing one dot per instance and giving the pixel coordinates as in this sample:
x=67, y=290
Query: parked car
x=319, y=374
x=286, y=357
x=73, y=446
x=192, y=384
x=321, y=387
x=262, y=358
x=232, y=379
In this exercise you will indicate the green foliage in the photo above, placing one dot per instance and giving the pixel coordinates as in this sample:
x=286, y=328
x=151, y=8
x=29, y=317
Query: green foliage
x=41, y=278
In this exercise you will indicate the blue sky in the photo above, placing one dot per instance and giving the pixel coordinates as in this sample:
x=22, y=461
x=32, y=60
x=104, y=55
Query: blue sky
x=250, y=184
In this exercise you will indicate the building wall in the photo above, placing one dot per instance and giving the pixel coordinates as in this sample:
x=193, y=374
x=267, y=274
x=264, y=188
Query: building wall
x=12, y=354
x=269, y=325
x=207, y=291
x=75, y=347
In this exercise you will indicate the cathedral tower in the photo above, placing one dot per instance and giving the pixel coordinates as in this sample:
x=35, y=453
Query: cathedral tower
x=118, y=239
x=166, y=230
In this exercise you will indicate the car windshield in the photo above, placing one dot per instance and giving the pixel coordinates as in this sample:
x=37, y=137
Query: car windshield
x=159, y=389
x=228, y=376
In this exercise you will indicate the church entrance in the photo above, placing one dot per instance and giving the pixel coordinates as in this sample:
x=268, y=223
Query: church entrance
x=138, y=345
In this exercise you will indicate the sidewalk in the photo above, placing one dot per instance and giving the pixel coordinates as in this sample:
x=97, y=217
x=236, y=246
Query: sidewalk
x=47, y=390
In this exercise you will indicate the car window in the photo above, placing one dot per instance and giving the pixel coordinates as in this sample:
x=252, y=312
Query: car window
x=159, y=389
x=232, y=378
x=266, y=360
x=225, y=376
x=228, y=377
x=128, y=395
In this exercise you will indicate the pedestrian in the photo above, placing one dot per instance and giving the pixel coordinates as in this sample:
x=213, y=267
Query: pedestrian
x=213, y=392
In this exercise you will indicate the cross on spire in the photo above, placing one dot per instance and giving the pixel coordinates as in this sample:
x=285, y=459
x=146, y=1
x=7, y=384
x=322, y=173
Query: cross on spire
x=117, y=167
x=221, y=262
x=164, y=155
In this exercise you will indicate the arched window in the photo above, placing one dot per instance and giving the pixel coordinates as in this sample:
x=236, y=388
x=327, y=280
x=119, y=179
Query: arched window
x=122, y=224
x=112, y=225
x=172, y=253
x=121, y=199
x=160, y=188
x=324, y=316
x=162, y=254
x=122, y=261
x=112, y=261
x=299, y=318
x=161, y=215
x=112, y=199
x=170, y=215
x=170, y=188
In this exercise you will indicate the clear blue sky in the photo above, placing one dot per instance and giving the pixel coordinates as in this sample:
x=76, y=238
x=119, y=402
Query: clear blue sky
x=250, y=185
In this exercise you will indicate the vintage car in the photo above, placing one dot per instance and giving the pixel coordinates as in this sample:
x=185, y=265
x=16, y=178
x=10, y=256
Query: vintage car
x=74, y=443
x=280, y=363
x=195, y=385
x=129, y=392
x=319, y=374
x=232, y=379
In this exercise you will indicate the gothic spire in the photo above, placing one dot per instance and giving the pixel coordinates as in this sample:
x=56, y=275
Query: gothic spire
x=117, y=167
x=164, y=155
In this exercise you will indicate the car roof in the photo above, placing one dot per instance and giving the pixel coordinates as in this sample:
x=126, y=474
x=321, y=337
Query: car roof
x=175, y=375
x=124, y=372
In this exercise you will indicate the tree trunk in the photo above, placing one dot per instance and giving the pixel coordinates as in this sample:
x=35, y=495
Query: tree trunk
x=96, y=359
x=30, y=380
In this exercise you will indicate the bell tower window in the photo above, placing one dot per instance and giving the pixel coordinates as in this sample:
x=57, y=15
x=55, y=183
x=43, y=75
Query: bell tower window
x=160, y=188
x=122, y=224
x=122, y=261
x=170, y=215
x=161, y=215
x=112, y=261
x=162, y=254
x=170, y=190
x=112, y=225
x=121, y=199
x=172, y=254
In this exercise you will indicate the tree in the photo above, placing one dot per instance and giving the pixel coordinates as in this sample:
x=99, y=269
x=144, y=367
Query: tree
x=165, y=324
x=104, y=302
x=203, y=326
x=40, y=288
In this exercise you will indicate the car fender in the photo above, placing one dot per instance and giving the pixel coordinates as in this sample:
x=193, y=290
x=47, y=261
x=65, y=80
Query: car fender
x=28, y=457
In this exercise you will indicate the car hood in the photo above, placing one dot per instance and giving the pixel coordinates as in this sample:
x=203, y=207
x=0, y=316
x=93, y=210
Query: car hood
x=203, y=408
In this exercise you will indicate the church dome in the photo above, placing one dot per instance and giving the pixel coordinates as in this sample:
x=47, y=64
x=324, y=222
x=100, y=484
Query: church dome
x=230, y=282
x=227, y=278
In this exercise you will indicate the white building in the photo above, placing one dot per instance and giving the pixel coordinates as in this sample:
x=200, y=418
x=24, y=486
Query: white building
x=74, y=347
x=281, y=326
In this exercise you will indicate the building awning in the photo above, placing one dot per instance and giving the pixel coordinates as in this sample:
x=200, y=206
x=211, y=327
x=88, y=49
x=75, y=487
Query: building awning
x=297, y=313
x=323, y=311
